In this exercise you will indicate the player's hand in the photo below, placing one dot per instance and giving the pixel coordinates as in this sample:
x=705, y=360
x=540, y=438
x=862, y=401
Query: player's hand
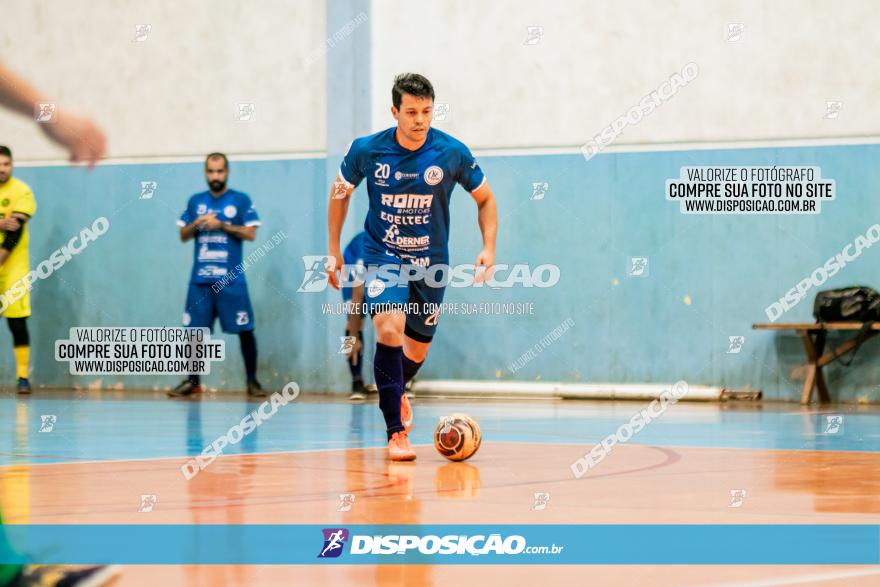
x=212, y=223
x=484, y=267
x=82, y=138
x=9, y=224
x=207, y=222
x=333, y=266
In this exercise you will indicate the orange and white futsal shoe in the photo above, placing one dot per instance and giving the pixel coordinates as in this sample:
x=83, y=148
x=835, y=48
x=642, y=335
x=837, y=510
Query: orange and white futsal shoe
x=406, y=413
x=399, y=448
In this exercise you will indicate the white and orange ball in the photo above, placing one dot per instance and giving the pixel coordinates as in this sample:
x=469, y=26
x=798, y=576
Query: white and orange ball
x=457, y=437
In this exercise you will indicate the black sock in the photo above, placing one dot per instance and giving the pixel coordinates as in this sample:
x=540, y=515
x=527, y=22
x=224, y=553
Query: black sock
x=356, y=369
x=388, y=369
x=410, y=368
x=249, y=352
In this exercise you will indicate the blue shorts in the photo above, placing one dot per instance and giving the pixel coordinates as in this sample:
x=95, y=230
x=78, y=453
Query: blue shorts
x=231, y=304
x=420, y=299
x=347, y=292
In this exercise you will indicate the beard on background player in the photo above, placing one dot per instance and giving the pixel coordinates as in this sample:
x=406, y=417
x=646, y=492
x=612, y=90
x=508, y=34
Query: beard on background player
x=411, y=171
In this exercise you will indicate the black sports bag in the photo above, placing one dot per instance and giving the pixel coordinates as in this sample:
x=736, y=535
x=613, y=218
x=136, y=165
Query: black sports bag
x=848, y=304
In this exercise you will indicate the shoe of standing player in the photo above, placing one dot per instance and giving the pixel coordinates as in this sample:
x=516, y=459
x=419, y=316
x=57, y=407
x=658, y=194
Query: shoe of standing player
x=408, y=389
x=254, y=389
x=65, y=576
x=358, y=394
x=24, y=386
x=406, y=413
x=185, y=389
x=399, y=448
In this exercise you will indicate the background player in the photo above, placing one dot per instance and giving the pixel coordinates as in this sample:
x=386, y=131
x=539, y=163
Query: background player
x=411, y=170
x=17, y=205
x=220, y=219
x=354, y=322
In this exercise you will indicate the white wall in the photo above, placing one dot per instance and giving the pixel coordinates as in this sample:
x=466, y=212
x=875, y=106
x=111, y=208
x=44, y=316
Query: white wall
x=177, y=92
x=598, y=58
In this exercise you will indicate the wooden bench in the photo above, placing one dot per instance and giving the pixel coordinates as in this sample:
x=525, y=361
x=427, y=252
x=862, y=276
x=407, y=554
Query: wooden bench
x=813, y=336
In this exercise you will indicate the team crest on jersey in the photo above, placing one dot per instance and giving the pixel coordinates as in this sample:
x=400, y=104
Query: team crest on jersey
x=375, y=288
x=5, y=202
x=433, y=175
x=201, y=210
x=230, y=211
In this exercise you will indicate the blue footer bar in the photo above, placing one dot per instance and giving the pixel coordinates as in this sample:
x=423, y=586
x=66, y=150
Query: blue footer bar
x=670, y=544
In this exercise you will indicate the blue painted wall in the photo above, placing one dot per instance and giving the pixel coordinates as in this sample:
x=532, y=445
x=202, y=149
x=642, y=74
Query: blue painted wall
x=709, y=277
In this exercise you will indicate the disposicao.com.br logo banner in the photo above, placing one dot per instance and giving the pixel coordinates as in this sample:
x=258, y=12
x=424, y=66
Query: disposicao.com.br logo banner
x=543, y=544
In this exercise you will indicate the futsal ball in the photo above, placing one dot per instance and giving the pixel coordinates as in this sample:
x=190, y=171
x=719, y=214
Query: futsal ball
x=457, y=437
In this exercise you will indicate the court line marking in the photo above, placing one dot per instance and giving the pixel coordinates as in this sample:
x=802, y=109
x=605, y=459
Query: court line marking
x=320, y=450
x=798, y=579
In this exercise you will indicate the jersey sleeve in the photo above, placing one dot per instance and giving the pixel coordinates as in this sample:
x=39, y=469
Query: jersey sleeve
x=189, y=214
x=469, y=176
x=352, y=168
x=249, y=216
x=25, y=203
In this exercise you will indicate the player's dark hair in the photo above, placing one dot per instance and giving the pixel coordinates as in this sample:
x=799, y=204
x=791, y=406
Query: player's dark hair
x=217, y=156
x=4, y=150
x=412, y=84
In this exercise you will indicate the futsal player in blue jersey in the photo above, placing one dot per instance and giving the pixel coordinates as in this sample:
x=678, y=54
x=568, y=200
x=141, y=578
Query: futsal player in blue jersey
x=220, y=219
x=411, y=170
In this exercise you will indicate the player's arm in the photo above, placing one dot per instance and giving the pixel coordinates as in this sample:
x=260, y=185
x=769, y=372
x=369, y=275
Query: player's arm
x=245, y=233
x=14, y=227
x=248, y=221
x=80, y=136
x=487, y=215
x=190, y=230
x=340, y=196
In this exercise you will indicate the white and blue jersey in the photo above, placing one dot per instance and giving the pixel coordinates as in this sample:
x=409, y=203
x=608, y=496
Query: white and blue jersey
x=217, y=287
x=409, y=193
x=217, y=253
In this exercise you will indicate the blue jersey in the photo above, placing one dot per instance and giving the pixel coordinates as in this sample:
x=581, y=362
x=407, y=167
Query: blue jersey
x=409, y=192
x=216, y=253
x=354, y=250
x=353, y=257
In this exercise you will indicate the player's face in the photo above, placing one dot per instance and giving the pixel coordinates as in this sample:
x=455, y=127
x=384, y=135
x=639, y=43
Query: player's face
x=216, y=174
x=414, y=117
x=5, y=168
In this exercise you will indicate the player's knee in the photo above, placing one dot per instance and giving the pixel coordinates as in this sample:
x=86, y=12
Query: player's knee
x=389, y=328
x=19, y=329
x=389, y=336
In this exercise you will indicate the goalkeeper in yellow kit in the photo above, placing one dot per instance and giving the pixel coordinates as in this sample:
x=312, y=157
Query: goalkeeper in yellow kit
x=17, y=205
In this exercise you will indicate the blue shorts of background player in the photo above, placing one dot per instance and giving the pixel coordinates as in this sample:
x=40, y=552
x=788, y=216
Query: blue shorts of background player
x=231, y=304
